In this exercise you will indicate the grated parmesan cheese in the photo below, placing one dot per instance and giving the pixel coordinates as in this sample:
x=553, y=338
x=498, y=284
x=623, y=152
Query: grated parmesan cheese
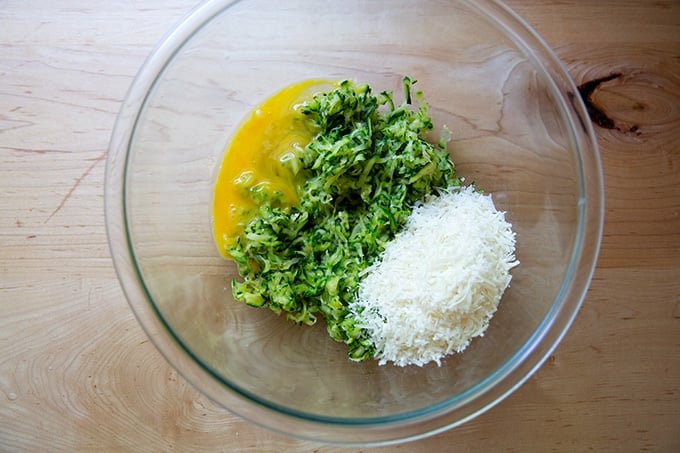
x=439, y=281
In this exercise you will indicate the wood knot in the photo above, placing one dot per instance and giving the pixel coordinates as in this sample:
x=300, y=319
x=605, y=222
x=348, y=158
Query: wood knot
x=596, y=113
x=637, y=102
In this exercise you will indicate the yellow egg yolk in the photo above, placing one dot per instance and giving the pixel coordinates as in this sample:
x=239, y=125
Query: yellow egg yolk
x=256, y=164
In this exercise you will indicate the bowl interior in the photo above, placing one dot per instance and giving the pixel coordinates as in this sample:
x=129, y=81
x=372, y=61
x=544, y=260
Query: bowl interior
x=512, y=135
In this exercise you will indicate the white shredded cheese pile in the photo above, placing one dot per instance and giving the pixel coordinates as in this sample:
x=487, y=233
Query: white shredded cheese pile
x=437, y=284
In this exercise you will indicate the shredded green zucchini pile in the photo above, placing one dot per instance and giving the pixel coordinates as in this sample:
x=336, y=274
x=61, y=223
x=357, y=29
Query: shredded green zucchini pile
x=363, y=172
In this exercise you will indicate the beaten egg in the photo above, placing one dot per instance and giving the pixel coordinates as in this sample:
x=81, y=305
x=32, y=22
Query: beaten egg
x=260, y=162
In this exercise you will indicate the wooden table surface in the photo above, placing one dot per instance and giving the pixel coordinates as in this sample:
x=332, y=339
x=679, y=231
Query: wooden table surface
x=77, y=373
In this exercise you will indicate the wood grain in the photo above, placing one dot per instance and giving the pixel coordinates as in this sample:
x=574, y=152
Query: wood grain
x=77, y=373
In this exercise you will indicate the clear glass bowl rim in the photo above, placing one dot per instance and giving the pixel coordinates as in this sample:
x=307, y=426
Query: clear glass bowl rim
x=385, y=430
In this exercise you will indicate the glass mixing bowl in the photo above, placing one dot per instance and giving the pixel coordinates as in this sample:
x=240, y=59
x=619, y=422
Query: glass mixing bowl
x=520, y=131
